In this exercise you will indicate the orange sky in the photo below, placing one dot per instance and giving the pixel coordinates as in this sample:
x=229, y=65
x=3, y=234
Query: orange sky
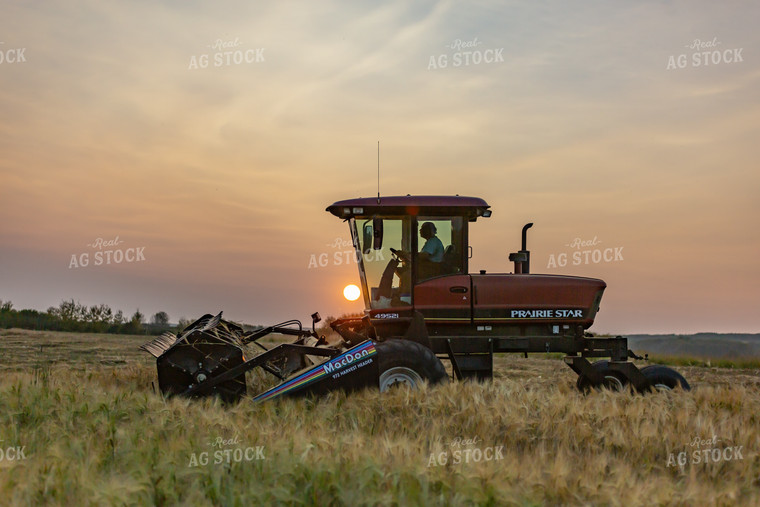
x=222, y=174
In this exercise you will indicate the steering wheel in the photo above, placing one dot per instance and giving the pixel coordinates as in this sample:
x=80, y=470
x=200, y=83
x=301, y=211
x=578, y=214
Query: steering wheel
x=400, y=255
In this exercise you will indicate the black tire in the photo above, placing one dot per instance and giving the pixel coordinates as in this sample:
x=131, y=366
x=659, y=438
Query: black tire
x=407, y=362
x=664, y=378
x=613, y=380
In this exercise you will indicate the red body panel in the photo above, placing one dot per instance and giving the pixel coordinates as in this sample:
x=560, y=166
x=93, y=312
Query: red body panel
x=517, y=299
x=536, y=298
x=445, y=299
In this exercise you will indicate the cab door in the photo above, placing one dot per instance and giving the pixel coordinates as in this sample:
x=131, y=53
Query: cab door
x=445, y=299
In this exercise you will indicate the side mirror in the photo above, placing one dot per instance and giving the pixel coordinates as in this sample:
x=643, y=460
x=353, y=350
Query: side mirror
x=366, y=237
x=377, y=229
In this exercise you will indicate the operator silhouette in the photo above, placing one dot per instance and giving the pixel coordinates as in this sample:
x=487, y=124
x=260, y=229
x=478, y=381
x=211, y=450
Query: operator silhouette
x=431, y=254
x=433, y=249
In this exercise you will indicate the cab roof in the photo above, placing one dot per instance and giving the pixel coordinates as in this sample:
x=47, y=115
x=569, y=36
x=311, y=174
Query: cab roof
x=470, y=207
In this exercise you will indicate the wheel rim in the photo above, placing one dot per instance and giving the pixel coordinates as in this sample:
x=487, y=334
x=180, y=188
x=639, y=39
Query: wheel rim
x=399, y=375
x=613, y=383
x=662, y=387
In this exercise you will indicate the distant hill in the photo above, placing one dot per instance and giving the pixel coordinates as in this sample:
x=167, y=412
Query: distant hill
x=701, y=345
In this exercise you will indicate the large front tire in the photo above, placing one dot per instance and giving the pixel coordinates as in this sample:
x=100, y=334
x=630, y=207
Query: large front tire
x=404, y=362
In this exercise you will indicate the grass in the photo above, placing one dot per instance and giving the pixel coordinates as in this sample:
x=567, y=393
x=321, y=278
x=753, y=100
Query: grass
x=732, y=363
x=97, y=434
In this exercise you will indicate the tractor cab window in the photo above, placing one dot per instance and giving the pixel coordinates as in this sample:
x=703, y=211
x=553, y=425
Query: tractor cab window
x=440, y=246
x=387, y=269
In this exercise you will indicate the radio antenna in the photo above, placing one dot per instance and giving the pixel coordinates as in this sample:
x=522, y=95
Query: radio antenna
x=378, y=172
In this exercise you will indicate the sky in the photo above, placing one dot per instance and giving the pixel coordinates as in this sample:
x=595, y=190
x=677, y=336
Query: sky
x=581, y=117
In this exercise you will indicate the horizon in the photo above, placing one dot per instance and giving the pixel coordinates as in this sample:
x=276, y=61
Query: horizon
x=148, y=316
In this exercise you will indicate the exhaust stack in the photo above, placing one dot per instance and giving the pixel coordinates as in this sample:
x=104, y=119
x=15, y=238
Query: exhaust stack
x=522, y=258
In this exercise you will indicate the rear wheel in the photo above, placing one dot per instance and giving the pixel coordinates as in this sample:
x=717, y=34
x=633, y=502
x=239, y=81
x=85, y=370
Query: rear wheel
x=404, y=362
x=664, y=378
x=612, y=380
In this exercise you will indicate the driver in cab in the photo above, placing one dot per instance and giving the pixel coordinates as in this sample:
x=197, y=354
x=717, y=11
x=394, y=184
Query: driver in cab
x=430, y=258
x=431, y=254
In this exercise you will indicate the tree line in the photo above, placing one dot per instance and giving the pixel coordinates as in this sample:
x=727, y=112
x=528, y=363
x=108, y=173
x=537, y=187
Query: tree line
x=76, y=317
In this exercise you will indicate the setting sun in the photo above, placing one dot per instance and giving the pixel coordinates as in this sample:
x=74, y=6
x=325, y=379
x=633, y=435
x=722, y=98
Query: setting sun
x=352, y=292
